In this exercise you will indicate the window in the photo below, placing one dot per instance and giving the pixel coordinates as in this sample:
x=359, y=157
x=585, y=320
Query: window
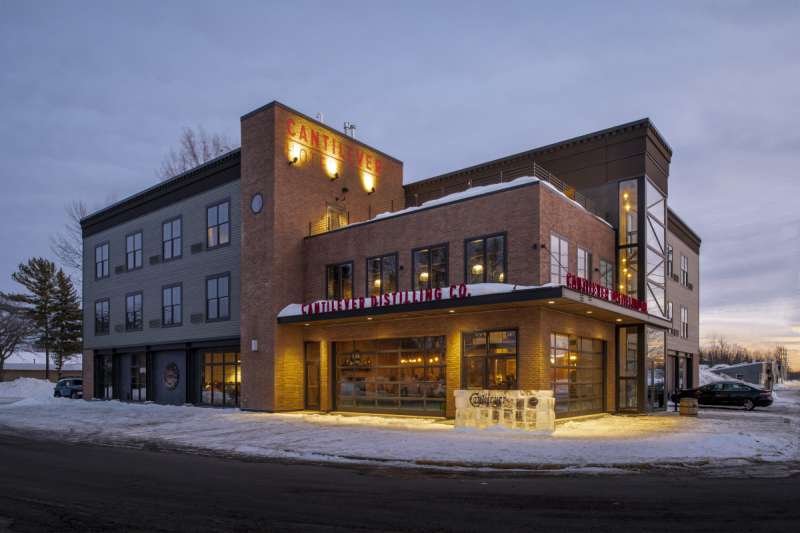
x=485, y=259
x=654, y=259
x=218, y=301
x=559, y=259
x=171, y=308
x=339, y=281
x=670, y=266
x=669, y=310
x=138, y=377
x=133, y=311
x=101, y=269
x=628, y=369
x=218, y=221
x=628, y=243
x=222, y=378
x=391, y=375
x=171, y=239
x=584, y=264
x=684, y=322
x=490, y=359
x=577, y=374
x=382, y=275
x=606, y=274
x=430, y=268
x=684, y=270
x=102, y=317
x=133, y=250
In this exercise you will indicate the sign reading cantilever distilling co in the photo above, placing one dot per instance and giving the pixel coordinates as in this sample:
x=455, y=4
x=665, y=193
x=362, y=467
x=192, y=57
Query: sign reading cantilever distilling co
x=584, y=286
x=530, y=410
x=386, y=300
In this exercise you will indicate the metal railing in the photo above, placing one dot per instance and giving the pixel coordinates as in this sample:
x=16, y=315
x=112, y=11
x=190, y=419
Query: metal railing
x=329, y=222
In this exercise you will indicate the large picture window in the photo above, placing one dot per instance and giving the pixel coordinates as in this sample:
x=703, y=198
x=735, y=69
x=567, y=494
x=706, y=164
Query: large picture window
x=133, y=311
x=339, y=281
x=559, y=260
x=218, y=222
x=577, y=366
x=430, y=267
x=171, y=305
x=656, y=249
x=171, y=239
x=628, y=369
x=222, y=379
x=218, y=299
x=485, y=259
x=628, y=253
x=133, y=251
x=101, y=261
x=382, y=275
x=490, y=359
x=102, y=317
x=391, y=375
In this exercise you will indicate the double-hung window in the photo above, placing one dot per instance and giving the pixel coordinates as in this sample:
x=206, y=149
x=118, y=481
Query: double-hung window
x=218, y=299
x=101, y=261
x=102, y=317
x=339, y=281
x=171, y=241
x=670, y=266
x=171, y=305
x=684, y=322
x=684, y=271
x=606, y=274
x=218, y=222
x=559, y=259
x=485, y=259
x=669, y=310
x=133, y=311
x=430, y=268
x=584, y=264
x=382, y=274
x=133, y=251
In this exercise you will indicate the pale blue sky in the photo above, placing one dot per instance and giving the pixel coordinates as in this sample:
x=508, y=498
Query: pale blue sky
x=93, y=94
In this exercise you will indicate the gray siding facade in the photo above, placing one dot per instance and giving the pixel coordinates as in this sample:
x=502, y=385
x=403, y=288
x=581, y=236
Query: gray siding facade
x=190, y=270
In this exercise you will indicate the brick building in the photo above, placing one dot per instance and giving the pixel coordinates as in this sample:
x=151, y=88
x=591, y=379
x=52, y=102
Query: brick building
x=298, y=272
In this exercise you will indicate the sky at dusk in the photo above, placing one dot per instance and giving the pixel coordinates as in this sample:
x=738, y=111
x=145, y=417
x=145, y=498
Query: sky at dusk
x=93, y=96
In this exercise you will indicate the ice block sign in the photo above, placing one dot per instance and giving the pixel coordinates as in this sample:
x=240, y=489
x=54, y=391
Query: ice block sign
x=531, y=410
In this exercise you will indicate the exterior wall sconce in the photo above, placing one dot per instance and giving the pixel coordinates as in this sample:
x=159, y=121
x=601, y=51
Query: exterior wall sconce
x=292, y=161
x=372, y=190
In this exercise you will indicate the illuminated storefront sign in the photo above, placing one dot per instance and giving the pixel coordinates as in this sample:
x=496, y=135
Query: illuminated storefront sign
x=386, y=300
x=595, y=290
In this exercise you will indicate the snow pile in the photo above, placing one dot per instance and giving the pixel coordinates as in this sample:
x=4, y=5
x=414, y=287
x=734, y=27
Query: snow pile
x=31, y=388
x=409, y=441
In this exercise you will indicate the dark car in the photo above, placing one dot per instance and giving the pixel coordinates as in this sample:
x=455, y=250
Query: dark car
x=69, y=388
x=728, y=393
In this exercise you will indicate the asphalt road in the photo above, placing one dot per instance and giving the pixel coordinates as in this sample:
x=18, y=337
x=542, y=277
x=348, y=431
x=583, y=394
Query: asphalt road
x=46, y=486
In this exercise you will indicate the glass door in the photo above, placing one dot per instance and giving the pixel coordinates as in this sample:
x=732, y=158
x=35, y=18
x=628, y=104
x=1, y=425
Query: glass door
x=312, y=373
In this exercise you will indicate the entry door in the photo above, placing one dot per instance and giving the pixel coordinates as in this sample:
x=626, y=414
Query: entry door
x=312, y=376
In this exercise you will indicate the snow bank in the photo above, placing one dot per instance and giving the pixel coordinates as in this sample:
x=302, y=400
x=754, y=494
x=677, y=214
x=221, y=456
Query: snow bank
x=38, y=389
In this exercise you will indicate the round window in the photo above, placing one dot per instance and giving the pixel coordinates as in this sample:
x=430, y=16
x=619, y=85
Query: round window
x=256, y=203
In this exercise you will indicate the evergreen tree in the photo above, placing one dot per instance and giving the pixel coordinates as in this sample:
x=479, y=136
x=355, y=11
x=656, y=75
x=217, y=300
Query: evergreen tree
x=39, y=279
x=66, y=323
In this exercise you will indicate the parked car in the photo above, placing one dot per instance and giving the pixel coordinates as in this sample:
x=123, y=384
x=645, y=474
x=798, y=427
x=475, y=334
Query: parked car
x=69, y=388
x=728, y=393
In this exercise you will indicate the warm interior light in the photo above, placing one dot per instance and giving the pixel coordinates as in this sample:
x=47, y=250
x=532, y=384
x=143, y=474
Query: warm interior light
x=629, y=274
x=619, y=320
x=551, y=302
x=625, y=195
x=332, y=167
x=306, y=324
x=423, y=276
x=588, y=312
x=627, y=207
x=477, y=269
x=369, y=318
x=502, y=277
x=368, y=181
x=621, y=286
x=451, y=311
x=624, y=259
x=377, y=283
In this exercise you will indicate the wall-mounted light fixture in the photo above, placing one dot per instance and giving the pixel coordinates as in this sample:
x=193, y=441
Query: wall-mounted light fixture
x=368, y=181
x=294, y=153
x=332, y=168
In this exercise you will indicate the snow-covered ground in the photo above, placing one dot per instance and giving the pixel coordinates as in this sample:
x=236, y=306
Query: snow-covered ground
x=601, y=442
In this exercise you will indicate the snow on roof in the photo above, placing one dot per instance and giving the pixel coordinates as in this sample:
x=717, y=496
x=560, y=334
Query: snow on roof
x=40, y=366
x=738, y=365
x=474, y=289
x=473, y=192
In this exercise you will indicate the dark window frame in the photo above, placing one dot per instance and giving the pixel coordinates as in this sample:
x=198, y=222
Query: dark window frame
x=353, y=275
x=164, y=258
x=446, y=246
x=609, y=269
x=137, y=383
x=367, y=292
x=230, y=297
x=486, y=357
x=131, y=326
x=484, y=238
x=140, y=250
x=218, y=224
x=552, y=367
x=107, y=329
x=670, y=260
x=107, y=261
x=222, y=364
x=174, y=323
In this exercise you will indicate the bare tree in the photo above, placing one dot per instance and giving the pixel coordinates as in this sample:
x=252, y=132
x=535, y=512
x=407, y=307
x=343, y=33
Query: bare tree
x=195, y=148
x=67, y=245
x=16, y=330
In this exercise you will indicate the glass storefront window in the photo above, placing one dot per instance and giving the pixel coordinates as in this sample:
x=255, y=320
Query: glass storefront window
x=221, y=379
x=391, y=375
x=490, y=359
x=628, y=369
x=577, y=374
x=655, y=374
x=138, y=377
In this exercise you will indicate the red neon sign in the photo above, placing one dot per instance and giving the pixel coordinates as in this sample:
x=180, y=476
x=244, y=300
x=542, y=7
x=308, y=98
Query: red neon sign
x=595, y=290
x=386, y=300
